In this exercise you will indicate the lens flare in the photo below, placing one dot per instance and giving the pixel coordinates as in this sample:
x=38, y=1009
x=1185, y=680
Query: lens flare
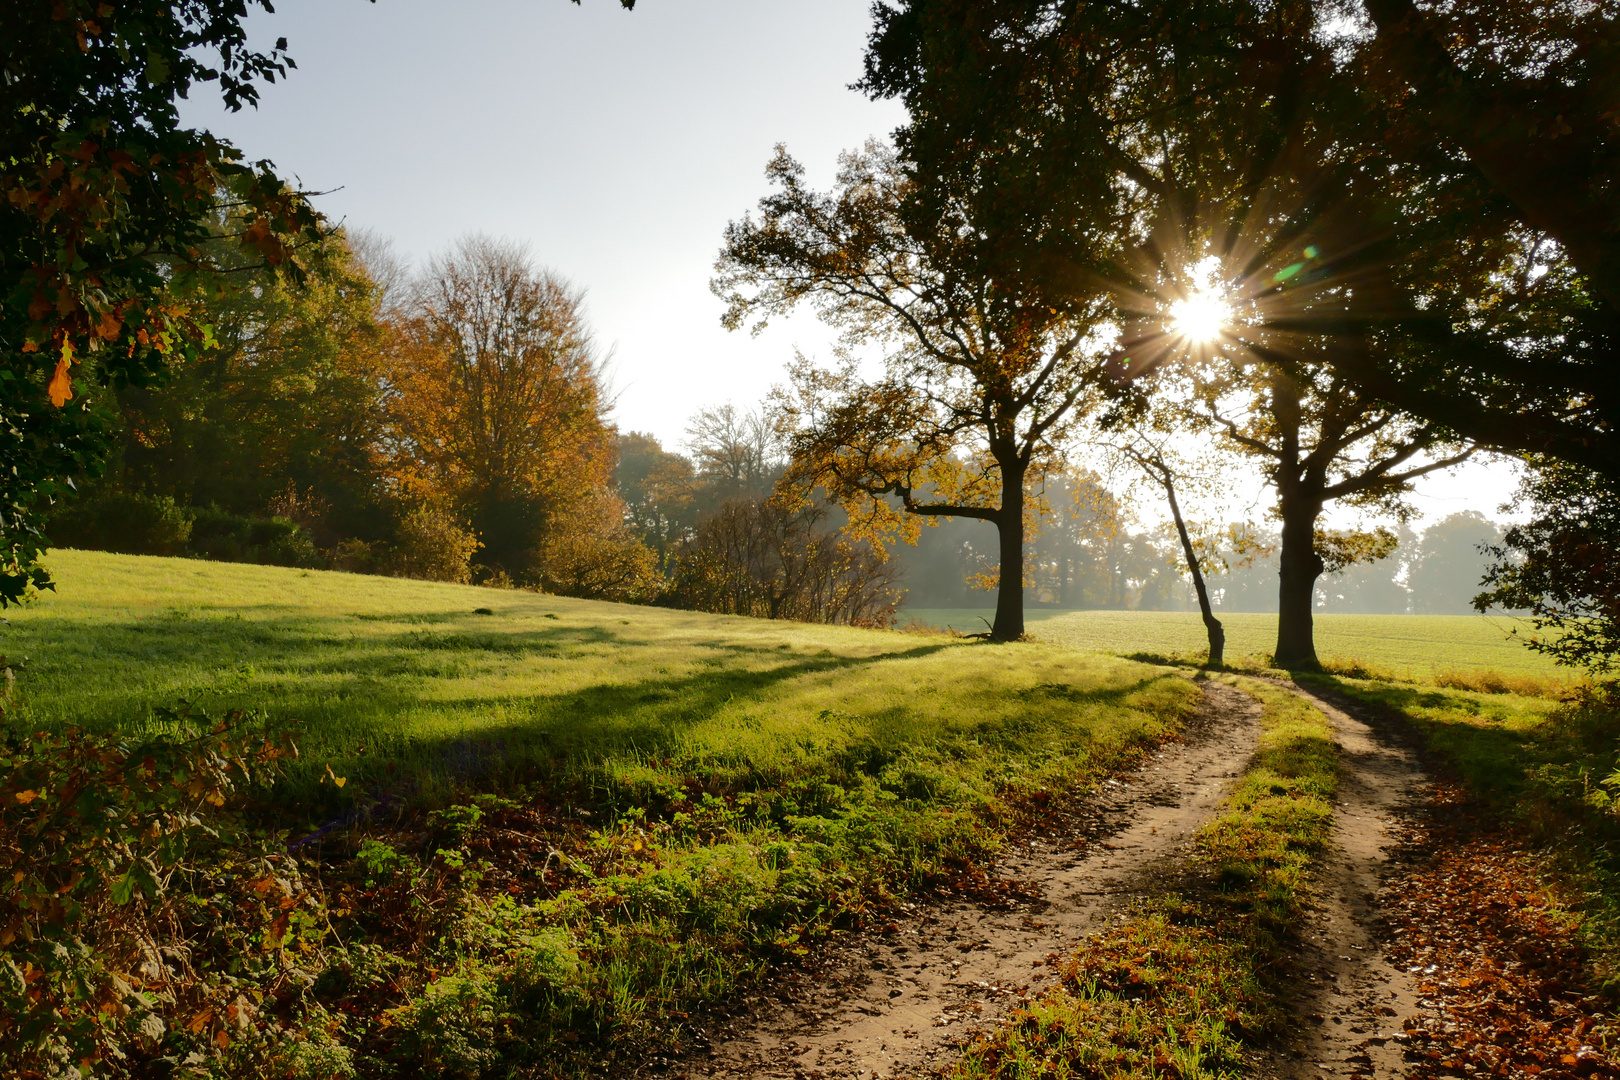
x=1202, y=317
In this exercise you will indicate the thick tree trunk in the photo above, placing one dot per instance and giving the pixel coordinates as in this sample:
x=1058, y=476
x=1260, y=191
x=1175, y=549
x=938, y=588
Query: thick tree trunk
x=1009, y=624
x=1296, y=593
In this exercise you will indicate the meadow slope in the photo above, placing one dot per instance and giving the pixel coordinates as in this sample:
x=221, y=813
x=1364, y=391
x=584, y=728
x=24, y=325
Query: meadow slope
x=566, y=828
x=452, y=682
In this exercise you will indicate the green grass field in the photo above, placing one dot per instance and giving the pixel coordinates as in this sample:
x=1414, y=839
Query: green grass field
x=609, y=818
x=599, y=818
x=383, y=671
x=1413, y=646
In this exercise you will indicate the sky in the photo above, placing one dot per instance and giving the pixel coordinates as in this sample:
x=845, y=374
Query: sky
x=616, y=145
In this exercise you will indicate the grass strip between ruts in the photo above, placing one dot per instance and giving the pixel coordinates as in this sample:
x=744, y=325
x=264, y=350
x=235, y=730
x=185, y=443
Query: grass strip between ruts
x=1175, y=988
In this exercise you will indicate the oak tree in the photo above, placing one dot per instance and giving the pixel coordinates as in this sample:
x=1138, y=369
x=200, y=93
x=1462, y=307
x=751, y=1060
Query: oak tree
x=1456, y=164
x=982, y=376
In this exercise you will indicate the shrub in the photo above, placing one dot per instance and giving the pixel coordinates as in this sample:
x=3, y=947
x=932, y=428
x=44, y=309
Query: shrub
x=591, y=552
x=139, y=919
x=226, y=537
x=126, y=523
x=433, y=545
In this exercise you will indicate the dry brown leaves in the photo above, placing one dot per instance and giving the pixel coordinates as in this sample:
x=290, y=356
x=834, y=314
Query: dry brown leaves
x=1501, y=970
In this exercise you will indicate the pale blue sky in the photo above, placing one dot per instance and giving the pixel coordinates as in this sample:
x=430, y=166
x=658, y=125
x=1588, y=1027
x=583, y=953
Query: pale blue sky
x=616, y=144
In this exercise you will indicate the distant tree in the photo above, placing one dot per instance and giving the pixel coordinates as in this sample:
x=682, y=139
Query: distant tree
x=496, y=402
x=1371, y=588
x=736, y=451
x=776, y=558
x=1563, y=565
x=1081, y=542
x=982, y=376
x=1449, y=565
x=937, y=570
x=660, y=492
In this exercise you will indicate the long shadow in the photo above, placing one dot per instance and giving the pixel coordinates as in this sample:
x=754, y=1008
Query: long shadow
x=1090, y=695
x=566, y=738
x=390, y=676
x=1492, y=758
x=650, y=715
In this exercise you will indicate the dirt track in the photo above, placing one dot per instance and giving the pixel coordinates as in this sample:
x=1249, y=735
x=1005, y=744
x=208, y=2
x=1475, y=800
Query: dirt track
x=898, y=1003
x=1351, y=998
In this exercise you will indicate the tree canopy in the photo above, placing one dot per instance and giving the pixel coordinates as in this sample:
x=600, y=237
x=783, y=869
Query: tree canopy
x=1454, y=166
x=982, y=376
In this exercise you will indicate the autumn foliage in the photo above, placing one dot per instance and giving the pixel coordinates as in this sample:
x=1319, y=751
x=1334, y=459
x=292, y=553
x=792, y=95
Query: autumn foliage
x=494, y=401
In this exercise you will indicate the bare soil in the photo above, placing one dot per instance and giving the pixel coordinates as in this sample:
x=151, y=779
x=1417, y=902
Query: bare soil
x=1350, y=996
x=900, y=1002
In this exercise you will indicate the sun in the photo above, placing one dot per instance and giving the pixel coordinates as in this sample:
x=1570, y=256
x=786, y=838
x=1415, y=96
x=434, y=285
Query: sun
x=1203, y=315
x=1201, y=318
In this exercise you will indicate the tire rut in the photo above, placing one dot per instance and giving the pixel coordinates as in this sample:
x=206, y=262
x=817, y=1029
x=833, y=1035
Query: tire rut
x=901, y=1002
x=1350, y=997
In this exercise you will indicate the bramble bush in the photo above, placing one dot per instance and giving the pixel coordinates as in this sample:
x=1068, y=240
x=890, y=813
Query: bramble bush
x=142, y=926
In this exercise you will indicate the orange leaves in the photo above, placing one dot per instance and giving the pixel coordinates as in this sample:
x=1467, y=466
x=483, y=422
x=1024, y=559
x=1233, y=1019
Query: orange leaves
x=1506, y=991
x=60, y=388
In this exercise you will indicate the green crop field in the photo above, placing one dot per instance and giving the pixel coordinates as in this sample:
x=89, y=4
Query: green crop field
x=1414, y=646
x=384, y=673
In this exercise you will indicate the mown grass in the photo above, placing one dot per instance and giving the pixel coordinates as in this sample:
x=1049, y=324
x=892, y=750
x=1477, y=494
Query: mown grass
x=1416, y=648
x=392, y=679
x=589, y=822
x=1177, y=988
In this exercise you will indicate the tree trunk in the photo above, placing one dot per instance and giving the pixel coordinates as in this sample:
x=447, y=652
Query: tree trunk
x=1009, y=624
x=1212, y=625
x=1300, y=566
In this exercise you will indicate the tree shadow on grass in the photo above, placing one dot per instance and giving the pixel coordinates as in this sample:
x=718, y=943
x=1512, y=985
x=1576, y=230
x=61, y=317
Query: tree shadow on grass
x=1491, y=757
x=551, y=737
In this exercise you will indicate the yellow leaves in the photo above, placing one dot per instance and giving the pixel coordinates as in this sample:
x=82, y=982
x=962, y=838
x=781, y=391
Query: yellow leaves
x=26, y=796
x=337, y=781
